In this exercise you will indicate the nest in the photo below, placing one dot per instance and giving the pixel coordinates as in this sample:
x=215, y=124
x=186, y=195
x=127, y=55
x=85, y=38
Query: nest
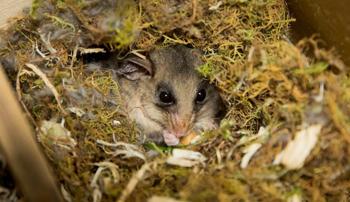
x=281, y=97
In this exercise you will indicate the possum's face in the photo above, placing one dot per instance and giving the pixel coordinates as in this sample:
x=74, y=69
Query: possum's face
x=168, y=99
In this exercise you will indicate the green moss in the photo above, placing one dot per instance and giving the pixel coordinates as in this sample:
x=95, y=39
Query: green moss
x=316, y=68
x=160, y=149
x=207, y=70
x=60, y=22
x=247, y=35
x=265, y=80
x=33, y=10
x=125, y=35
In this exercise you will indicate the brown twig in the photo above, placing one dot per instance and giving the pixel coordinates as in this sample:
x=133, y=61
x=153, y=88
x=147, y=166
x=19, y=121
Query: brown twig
x=19, y=96
x=47, y=82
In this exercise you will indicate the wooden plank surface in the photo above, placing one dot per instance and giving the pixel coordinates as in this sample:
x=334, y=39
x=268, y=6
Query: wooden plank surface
x=11, y=8
x=17, y=143
x=328, y=18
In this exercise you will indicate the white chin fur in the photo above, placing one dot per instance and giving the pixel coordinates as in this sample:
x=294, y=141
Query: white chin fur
x=205, y=124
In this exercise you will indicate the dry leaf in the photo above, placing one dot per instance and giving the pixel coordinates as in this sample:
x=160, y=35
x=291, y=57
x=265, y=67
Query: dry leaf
x=56, y=134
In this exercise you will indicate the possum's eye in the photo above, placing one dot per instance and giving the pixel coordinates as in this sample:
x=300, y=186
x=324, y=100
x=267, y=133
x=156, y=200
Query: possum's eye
x=165, y=97
x=200, y=96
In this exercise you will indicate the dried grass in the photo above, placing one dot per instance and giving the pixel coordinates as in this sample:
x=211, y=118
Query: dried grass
x=266, y=81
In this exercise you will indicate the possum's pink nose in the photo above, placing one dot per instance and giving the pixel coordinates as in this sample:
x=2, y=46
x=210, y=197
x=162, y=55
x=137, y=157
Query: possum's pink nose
x=178, y=128
x=172, y=138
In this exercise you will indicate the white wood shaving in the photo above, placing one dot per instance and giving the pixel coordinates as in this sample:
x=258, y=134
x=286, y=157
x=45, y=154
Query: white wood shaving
x=249, y=152
x=297, y=150
x=185, y=158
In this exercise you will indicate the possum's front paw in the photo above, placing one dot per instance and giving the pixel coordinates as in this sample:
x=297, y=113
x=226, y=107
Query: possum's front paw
x=156, y=137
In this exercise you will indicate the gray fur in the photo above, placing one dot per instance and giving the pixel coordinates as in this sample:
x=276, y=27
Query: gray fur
x=173, y=67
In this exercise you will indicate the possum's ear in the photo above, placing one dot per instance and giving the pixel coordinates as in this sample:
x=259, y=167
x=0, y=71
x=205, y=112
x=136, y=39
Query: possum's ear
x=134, y=68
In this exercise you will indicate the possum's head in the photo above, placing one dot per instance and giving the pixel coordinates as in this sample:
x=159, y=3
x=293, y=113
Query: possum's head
x=172, y=99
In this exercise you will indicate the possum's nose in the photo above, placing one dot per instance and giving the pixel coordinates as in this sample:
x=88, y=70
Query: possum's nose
x=180, y=125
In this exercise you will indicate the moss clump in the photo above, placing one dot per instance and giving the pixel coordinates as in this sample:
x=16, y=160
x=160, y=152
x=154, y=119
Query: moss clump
x=268, y=83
